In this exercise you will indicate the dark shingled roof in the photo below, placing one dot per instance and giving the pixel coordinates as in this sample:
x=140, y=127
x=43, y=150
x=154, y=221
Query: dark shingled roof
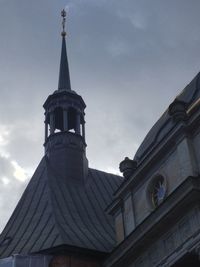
x=54, y=212
x=165, y=124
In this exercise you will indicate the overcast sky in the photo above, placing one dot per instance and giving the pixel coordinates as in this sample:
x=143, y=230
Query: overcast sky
x=128, y=59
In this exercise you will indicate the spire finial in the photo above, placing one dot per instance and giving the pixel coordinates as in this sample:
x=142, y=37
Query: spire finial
x=64, y=77
x=63, y=14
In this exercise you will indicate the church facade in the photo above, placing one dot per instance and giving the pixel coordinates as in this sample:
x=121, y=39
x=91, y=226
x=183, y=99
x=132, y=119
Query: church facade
x=73, y=216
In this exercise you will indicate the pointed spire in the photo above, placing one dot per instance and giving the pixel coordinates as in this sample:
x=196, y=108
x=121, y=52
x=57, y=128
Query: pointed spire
x=64, y=77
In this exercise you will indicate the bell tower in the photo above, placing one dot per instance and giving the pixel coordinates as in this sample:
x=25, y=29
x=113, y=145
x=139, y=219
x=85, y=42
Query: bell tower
x=65, y=144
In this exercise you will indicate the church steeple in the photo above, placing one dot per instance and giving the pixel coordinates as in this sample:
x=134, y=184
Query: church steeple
x=64, y=77
x=65, y=124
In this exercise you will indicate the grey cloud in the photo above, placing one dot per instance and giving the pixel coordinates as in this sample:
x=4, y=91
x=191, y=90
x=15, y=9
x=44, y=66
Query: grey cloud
x=10, y=190
x=6, y=168
x=128, y=59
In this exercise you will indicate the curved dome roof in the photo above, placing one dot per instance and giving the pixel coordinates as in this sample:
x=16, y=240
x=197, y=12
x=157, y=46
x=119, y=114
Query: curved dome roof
x=165, y=124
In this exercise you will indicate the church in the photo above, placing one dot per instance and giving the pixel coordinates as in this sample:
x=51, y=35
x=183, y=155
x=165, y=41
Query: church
x=73, y=216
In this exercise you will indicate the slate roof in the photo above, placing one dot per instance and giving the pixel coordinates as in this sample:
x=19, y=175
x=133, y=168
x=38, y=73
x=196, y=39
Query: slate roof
x=53, y=212
x=165, y=124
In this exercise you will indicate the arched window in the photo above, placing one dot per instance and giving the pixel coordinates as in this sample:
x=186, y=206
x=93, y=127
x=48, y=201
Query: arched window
x=58, y=113
x=72, y=119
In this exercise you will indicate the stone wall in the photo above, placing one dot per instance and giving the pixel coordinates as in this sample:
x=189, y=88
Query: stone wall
x=183, y=237
x=175, y=167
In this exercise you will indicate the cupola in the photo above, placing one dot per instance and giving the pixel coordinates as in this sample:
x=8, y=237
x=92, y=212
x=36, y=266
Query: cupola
x=65, y=124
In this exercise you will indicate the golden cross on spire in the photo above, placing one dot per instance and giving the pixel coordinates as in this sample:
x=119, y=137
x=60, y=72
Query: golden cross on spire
x=63, y=14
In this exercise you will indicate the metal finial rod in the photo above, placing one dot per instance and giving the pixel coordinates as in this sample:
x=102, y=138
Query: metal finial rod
x=63, y=14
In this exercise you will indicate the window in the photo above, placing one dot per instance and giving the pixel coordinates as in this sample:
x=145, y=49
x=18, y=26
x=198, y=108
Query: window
x=157, y=190
x=72, y=119
x=58, y=112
